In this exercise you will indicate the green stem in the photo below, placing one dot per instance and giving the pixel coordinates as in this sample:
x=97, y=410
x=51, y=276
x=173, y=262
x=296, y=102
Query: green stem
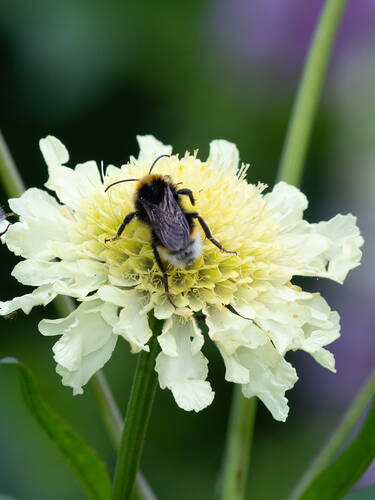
x=338, y=438
x=14, y=187
x=108, y=407
x=306, y=102
x=238, y=446
x=137, y=418
x=290, y=170
x=9, y=175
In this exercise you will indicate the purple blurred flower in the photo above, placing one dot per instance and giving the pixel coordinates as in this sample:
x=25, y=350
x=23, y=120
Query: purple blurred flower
x=279, y=31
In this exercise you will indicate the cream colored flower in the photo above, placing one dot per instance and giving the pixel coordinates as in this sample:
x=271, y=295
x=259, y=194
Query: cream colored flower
x=254, y=314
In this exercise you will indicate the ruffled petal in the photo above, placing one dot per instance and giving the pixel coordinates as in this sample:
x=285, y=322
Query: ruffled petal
x=343, y=247
x=231, y=331
x=40, y=296
x=287, y=204
x=71, y=186
x=3, y=226
x=297, y=320
x=182, y=370
x=150, y=148
x=269, y=377
x=86, y=344
x=42, y=220
x=132, y=322
x=224, y=155
x=328, y=249
x=54, y=152
x=76, y=278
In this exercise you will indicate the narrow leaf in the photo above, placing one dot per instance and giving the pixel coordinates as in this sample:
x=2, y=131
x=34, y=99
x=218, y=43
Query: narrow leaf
x=86, y=464
x=337, y=479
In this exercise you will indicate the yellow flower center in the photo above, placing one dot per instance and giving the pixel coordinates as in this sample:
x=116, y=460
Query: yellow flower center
x=234, y=210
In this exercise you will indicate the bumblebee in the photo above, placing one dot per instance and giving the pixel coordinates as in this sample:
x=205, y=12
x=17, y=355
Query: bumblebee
x=174, y=236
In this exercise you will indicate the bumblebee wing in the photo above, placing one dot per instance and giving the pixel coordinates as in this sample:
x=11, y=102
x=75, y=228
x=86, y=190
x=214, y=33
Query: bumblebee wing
x=169, y=222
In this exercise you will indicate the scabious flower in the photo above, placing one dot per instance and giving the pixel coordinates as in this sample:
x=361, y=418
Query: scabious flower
x=253, y=312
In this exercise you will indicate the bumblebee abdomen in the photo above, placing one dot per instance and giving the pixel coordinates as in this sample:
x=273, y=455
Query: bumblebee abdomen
x=186, y=255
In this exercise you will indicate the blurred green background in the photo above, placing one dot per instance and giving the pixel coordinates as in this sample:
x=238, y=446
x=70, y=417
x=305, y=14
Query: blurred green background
x=95, y=74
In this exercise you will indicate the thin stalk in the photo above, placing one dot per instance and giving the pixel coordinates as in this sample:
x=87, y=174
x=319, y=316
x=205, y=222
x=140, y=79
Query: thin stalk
x=9, y=175
x=290, y=170
x=338, y=438
x=108, y=407
x=114, y=423
x=136, y=419
x=64, y=305
x=238, y=446
x=307, y=99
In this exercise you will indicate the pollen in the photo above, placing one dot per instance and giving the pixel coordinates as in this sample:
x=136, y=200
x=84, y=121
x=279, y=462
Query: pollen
x=234, y=210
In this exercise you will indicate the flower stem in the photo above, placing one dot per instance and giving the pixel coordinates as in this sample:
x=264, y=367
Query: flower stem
x=238, y=446
x=338, y=438
x=114, y=423
x=290, y=170
x=9, y=175
x=108, y=407
x=14, y=187
x=306, y=102
x=137, y=418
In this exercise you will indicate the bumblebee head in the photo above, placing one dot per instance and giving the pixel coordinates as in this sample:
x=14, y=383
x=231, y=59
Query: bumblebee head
x=149, y=178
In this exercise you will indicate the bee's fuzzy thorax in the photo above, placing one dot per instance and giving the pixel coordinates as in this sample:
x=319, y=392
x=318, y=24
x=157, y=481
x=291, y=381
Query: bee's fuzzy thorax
x=148, y=179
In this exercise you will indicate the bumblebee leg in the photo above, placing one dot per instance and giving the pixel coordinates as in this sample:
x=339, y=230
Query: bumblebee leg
x=125, y=222
x=187, y=192
x=5, y=216
x=208, y=234
x=165, y=275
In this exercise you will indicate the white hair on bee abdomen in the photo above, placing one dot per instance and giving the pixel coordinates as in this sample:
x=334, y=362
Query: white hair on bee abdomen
x=186, y=256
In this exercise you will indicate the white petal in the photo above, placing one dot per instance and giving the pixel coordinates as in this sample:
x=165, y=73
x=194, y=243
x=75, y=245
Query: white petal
x=167, y=339
x=270, y=377
x=185, y=373
x=234, y=370
x=3, y=226
x=150, y=148
x=40, y=296
x=132, y=323
x=343, y=253
x=231, y=331
x=68, y=278
x=322, y=329
x=329, y=249
x=163, y=311
x=287, y=204
x=86, y=344
x=71, y=186
x=54, y=152
x=224, y=155
x=298, y=320
x=41, y=220
x=324, y=358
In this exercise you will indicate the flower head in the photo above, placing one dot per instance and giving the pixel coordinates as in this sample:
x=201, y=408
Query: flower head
x=253, y=312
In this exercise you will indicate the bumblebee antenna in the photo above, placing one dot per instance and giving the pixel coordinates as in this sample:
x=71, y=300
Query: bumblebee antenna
x=119, y=182
x=157, y=159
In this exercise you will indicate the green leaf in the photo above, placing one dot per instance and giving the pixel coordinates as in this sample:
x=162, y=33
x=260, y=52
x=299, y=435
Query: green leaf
x=337, y=479
x=362, y=494
x=86, y=464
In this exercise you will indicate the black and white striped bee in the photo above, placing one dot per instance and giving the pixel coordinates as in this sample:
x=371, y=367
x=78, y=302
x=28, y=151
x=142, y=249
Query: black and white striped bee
x=174, y=236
